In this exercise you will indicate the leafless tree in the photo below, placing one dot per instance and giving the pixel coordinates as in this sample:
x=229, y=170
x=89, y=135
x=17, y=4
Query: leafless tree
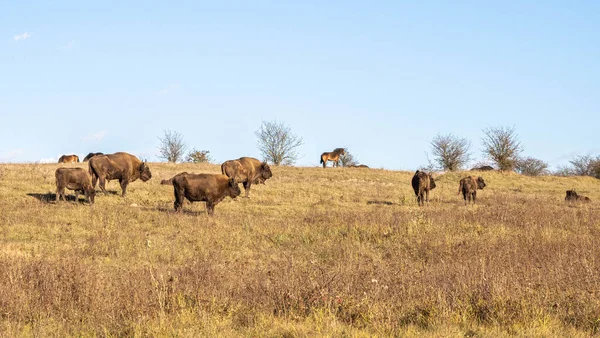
x=348, y=159
x=585, y=165
x=172, y=147
x=450, y=152
x=501, y=145
x=530, y=166
x=277, y=143
x=199, y=156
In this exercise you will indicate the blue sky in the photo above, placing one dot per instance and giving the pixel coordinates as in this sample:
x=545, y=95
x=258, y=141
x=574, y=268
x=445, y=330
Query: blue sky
x=381, y=78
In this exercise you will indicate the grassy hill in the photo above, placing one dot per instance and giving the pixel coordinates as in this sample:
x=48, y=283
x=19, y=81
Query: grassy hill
x=313, y=252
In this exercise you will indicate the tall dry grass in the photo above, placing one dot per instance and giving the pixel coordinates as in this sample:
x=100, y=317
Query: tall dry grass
x=337, y=252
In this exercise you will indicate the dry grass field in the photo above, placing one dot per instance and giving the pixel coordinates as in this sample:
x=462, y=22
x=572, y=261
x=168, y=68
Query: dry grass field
x=314, y=252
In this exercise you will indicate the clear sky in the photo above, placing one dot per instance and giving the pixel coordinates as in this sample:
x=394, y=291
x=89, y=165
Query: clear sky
x=381, y=78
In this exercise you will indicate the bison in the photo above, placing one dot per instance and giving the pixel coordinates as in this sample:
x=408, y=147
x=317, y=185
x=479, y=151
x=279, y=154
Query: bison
x=211, y=188
x=68, y=159
x=422, y=183
x=483, y=168
x=118, y=166
x=573, y=196
x=469, y=185
x=248, y=171
x=90, y=155
x=76, y=179
x=358, y=166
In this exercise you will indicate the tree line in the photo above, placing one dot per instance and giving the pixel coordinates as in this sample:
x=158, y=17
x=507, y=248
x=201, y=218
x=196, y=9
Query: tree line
x=502, y=148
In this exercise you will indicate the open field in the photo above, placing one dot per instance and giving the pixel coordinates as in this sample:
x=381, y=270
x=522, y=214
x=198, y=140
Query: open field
x=337, y=252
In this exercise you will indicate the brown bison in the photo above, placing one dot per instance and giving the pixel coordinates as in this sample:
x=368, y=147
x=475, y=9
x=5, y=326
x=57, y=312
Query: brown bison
x=422, y=183
x=211, y=188
x=469, y=185
x=76, y=179
x=248, y=171
x=118, y=166
x=333, y=156
x=68, y=159
x=90, y=155
x=573, y=196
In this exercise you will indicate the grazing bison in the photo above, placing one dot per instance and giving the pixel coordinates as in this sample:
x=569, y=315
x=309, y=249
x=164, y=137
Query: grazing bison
x=68, y=159
x=469, y=185
x=74, y=179
x=90, y=155
x=422, y=183
x=118, y=166
x=248, y=171
x=211, y=188
x=573, y=196
x=332, y=156
x=483, y=168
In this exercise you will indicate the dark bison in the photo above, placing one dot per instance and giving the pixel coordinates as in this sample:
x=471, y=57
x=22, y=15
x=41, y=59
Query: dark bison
x=248, y=171
x=422, y=183
x=573, y=196
x=118, y=166
x=76, y=179
x=90, y=155
x=211, y=188
x=469, y=185
x=358, y=166
x=483, y=168
x=68, y=159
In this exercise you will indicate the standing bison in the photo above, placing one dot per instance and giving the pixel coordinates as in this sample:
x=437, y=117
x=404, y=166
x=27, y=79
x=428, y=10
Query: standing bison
x=118, y=166
x=468, y=186
x=211, y=188
x=74, y=179
x=422, y=183
x=247, y=170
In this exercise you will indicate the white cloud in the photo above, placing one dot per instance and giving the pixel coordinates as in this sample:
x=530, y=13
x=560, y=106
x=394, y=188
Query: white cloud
x=48, y=160
x=11, y=155
x=95, y=136
x=23, y=36
x=169, y=89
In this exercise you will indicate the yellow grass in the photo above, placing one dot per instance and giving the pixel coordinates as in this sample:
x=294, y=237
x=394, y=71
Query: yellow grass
x=314, y=252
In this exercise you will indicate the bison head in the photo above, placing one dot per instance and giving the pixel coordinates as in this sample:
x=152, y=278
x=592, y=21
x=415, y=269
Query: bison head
x=91, y=196
x=480, y=183
x=265, y=171
x=431, y=182
x=571, y=195
x=234, y=188
x=145, y=173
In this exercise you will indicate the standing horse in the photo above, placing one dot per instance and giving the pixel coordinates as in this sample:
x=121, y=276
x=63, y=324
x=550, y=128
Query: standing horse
x=332, y=156
x=68, y=159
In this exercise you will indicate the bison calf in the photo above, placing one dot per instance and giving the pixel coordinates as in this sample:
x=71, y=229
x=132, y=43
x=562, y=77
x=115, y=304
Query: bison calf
x=573, y=196
x=422, y=183
x=75, y=179
x=211, y=188
x=468, y=186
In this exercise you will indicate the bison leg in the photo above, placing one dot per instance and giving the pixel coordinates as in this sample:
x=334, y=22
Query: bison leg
x=59, y=193
x=247, y=185
x=76, y=195
x=474, y=196
x=94, y=180
x=123, y=184
x=427, y=196
x=178, y=204
x=103, y=184
x=210, y=208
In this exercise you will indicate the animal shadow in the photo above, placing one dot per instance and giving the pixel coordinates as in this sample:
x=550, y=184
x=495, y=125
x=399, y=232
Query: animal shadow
x=380, y=202
x=51, y=197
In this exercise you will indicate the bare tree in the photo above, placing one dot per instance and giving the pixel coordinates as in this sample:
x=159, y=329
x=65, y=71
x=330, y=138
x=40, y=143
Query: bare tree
x=198, y=156
x=502, y=146
x=348, y=159
x=450, y=152
x=530, y=166
x=277, y=143
x=172, y=147
x=585, y=165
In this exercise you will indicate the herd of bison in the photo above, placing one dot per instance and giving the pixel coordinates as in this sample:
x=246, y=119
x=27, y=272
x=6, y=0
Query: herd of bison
x=213, y=188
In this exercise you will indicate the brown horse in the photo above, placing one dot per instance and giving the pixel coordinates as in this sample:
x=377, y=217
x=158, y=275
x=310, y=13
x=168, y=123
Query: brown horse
x=332, y=156
x=68, y=159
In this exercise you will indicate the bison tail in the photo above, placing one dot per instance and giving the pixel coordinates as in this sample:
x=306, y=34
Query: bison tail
x=167, y=182
x=460, y=188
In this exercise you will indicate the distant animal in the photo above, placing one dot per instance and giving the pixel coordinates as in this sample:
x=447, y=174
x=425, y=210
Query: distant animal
x=76, y=179
x=573, y=196
x=68, y=159
x=358, y=166
x=422, y=183
x=483, y=168
x=332, y=156
x=248, y=171
x=118, y=166
x=211, y=188
x=90, y=155
x=468, y=186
